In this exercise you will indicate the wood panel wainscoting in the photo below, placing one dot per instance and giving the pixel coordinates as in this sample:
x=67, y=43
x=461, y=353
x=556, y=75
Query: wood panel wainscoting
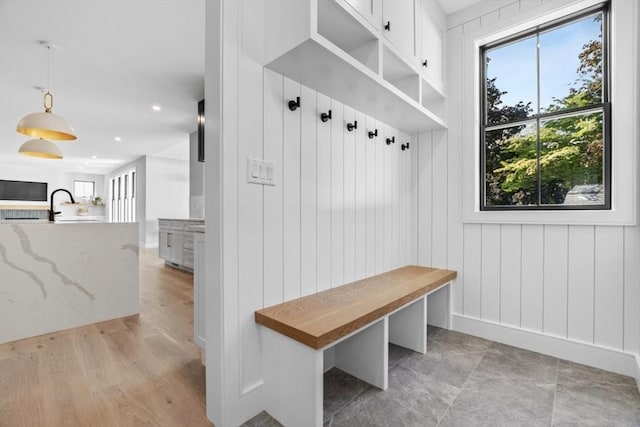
x=140, y=370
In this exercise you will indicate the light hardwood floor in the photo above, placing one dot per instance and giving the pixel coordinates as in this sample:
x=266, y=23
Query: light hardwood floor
x=140, y=370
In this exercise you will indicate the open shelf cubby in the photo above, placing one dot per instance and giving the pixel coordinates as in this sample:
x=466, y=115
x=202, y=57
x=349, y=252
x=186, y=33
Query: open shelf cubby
x=327, y=47
x=343, y=30
x=400, y=74
x=432, y=98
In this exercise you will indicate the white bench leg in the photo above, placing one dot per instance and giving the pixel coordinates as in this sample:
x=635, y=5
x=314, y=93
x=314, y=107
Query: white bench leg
x=439, y=307
x=408, y=327
x=365, y=355
x=292, y=380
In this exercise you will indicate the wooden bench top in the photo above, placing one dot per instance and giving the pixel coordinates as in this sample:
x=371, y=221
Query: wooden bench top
x=320, y=319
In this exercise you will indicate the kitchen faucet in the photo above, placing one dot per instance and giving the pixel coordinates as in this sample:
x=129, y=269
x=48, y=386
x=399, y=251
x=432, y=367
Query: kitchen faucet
x=52, y=214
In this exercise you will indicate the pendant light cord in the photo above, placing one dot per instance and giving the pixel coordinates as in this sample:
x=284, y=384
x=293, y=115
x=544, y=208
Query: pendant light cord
x=48, y=66
x=48, y=98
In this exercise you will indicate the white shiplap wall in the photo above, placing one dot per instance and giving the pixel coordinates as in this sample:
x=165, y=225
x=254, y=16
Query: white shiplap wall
x=340, y=210
x=347, y=207
x=343, y=207
x=580, y=284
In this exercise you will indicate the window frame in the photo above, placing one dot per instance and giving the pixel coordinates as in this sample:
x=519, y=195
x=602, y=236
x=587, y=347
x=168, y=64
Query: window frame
x=604, y=106
x=84, y=181
x=123, y=197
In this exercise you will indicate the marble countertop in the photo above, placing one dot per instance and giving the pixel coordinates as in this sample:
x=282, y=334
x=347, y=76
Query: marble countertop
x=182, y=219
x=65, y=275
x=81, y=218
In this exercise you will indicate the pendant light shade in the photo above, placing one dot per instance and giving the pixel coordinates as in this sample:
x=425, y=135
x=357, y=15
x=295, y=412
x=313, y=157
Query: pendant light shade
x=46, y=124
x=40, y=148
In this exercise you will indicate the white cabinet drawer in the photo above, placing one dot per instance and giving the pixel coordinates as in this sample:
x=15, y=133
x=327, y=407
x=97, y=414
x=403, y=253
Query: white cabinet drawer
x=170, y=225
x=187, y=241
x=177, y=225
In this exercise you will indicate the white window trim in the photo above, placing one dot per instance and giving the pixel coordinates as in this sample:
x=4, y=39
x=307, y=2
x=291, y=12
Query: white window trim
x=84, y=181
x=624, y=87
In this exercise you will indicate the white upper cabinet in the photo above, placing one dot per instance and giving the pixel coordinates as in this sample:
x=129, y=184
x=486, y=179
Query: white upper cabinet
x=371, y=10
x=398, y=25
x=341, y=49
x=431, y=57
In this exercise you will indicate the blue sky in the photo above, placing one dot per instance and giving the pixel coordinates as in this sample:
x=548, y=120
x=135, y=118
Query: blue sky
x=514, y=65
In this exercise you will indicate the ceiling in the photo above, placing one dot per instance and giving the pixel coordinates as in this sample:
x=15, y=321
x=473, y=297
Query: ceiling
x=115, y=60
x=452, y=6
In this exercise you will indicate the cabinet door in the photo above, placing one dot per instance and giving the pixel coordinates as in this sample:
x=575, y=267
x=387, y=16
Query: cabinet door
x=164, y=250
x=368, y=9
x=175, y=243
x=431, y=50
x=187, y=258
x=398, y=25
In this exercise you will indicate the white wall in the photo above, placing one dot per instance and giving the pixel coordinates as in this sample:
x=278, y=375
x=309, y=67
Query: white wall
x=162, y=192
x=140, y=166
x=69, y=177
x=167, y=195
x=568, y=290
x=54, y=179
x=196, y=179
x=340, y=209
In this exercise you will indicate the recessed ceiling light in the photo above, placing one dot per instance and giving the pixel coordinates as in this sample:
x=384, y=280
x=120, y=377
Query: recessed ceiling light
x=80, y=167
x=156, y=108
x=117, y=139
x=94, y=157
x=86, y=163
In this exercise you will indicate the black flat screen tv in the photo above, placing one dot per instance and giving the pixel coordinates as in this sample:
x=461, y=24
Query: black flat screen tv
x=23, y=190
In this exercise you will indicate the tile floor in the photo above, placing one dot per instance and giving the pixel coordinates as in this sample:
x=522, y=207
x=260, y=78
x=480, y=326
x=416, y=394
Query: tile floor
x=467, y=381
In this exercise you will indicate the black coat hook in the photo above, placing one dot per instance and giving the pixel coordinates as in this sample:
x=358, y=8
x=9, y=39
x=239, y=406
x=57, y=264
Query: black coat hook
x=352, y=126
x=373, y=133
x=405, y=146
x=424, y=64
x=294, y=105
x=391, y=140
x=387, y=26
x=325, y=116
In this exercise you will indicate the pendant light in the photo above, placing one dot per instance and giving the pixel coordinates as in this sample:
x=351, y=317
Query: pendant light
x=46, y=124
x=40, y=148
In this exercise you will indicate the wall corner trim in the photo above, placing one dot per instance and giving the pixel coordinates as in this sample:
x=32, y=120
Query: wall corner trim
x=637, y=376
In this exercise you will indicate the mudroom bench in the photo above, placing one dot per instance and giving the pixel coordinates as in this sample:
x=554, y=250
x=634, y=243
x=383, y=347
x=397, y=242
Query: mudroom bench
x=348, y=327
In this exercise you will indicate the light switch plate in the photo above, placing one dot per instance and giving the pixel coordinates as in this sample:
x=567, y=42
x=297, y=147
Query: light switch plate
x=260, y=172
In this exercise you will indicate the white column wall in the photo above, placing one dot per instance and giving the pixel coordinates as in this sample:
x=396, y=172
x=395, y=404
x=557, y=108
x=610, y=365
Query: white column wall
x=340, y=209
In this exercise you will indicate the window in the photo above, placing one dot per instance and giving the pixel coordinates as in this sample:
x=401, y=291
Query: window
x=545, y=118
x=123, y=198
x=84, y=189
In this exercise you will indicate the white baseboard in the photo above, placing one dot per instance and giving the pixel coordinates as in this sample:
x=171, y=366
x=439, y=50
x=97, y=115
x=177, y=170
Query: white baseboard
x=148, y=245
x=587, y=354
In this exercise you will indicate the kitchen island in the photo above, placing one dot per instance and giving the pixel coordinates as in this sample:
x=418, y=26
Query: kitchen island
x=55, y=276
